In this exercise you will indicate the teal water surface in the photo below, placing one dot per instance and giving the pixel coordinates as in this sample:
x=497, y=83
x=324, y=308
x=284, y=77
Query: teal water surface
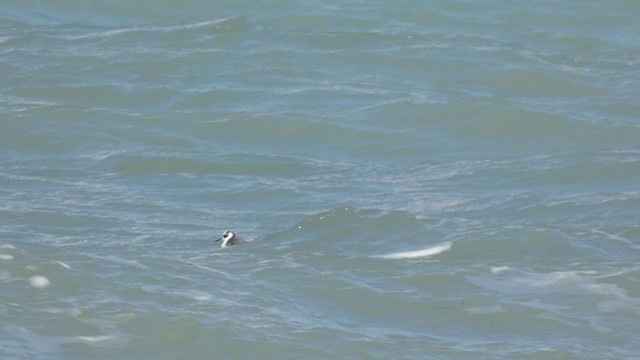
x=328, y=135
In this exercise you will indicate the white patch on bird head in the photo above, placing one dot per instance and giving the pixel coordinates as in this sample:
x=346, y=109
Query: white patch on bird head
x=227, y=237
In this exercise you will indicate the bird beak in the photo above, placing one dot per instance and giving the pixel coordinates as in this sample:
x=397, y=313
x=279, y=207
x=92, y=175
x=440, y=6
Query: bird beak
x=218, y=240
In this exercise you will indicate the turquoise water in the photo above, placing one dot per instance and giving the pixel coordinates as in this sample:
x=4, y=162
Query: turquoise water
x=329, y=135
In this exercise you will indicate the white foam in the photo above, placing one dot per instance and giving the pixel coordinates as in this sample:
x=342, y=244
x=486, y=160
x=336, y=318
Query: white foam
x=196, y=295
x=115, y=32
x=499, y=269
x=562, y=279
x=64, y=265
x=610, y=297
x=39, y=282
x=202, y=297
x=426, y=252
x=6, y=257
x=95, y=338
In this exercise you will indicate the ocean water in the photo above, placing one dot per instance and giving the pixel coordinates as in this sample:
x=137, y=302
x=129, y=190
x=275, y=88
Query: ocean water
x=414, y=179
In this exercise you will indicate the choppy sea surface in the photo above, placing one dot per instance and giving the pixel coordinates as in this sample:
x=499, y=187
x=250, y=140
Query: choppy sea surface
x=414, y=179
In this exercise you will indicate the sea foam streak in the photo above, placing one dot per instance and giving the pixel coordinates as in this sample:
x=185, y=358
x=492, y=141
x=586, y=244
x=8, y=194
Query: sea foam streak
x=430, y=251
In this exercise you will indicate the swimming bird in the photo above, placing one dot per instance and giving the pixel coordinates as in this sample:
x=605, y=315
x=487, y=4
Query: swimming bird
x=229, y=238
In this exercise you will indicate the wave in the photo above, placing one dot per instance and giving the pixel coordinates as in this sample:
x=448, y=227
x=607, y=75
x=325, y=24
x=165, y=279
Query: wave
x=422, y=253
